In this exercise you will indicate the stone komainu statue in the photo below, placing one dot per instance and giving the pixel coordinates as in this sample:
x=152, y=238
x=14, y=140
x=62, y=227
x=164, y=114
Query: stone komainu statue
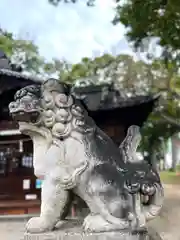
x=71, y=154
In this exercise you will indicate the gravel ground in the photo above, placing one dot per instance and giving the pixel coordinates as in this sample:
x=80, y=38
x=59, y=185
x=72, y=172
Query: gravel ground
x=167, y=224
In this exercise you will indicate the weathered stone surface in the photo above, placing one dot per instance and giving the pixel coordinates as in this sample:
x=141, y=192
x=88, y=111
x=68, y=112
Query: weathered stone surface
x=85, y=236
x=74, y=156
x=72, y=230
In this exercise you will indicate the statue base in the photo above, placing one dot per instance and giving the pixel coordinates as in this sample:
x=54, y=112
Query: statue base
x=72, y=230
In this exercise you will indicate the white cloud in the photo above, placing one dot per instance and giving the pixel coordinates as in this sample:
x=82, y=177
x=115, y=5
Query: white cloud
x=70, y=31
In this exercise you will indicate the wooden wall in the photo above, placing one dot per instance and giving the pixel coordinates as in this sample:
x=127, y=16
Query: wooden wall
x=12, y=195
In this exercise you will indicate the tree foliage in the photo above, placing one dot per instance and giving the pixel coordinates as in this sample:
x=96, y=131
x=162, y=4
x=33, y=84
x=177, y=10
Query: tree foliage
x=137, y=78
x=21, y=52
x=25, y=53
x=148, y=19
x=129, y=76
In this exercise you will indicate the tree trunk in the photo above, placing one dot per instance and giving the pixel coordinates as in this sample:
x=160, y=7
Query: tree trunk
x=175, y=153
x=152, y=154
x=163, y=160
x=152, y=157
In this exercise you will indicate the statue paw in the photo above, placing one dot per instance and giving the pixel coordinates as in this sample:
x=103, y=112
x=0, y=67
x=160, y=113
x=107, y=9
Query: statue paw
x=92, y=222
x=95, y=223
x=60, y=224
x=38, y=225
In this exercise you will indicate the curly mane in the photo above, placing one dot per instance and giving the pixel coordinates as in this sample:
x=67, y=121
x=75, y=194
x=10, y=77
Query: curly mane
x=62, y=112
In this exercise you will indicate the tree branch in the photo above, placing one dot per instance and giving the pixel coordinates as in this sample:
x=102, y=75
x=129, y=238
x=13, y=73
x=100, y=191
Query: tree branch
x=171, y=120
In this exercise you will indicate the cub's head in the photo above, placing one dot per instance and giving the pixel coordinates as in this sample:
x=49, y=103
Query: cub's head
x=26, y=106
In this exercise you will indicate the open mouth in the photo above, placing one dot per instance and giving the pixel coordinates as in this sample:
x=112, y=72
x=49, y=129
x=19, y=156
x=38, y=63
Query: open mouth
x=22, y=116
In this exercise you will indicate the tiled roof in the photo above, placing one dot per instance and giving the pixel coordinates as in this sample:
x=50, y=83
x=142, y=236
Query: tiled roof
x=18, y=75
x=96, y=99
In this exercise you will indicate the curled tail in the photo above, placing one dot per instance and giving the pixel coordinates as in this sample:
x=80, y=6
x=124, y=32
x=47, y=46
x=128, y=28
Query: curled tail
x=130, y=144
x=147, y=177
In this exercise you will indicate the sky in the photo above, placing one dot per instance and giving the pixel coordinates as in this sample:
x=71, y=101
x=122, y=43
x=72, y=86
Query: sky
x=69, y=31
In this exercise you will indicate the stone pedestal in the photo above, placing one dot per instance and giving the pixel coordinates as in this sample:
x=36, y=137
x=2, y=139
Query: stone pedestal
x=73, y=231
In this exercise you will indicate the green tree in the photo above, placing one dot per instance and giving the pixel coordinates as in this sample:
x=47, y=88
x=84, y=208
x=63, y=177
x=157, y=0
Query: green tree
x=134, y=77
x=90, y=68
x=164, y=122
x=60, y=69
x=148, y=19
x=21, y=52
x=138, y=77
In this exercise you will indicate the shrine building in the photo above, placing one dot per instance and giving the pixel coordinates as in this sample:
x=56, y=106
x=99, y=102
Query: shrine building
x=19, y=188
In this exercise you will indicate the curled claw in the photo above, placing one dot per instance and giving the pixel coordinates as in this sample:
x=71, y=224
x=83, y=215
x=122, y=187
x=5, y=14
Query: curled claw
x=132, y=187
x=148, y=189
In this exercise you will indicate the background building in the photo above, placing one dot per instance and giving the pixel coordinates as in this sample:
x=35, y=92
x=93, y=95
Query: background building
x=19, y=188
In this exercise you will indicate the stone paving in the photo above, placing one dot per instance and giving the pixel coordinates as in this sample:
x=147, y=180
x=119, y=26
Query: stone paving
x=167, y=224
x=12, y=230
